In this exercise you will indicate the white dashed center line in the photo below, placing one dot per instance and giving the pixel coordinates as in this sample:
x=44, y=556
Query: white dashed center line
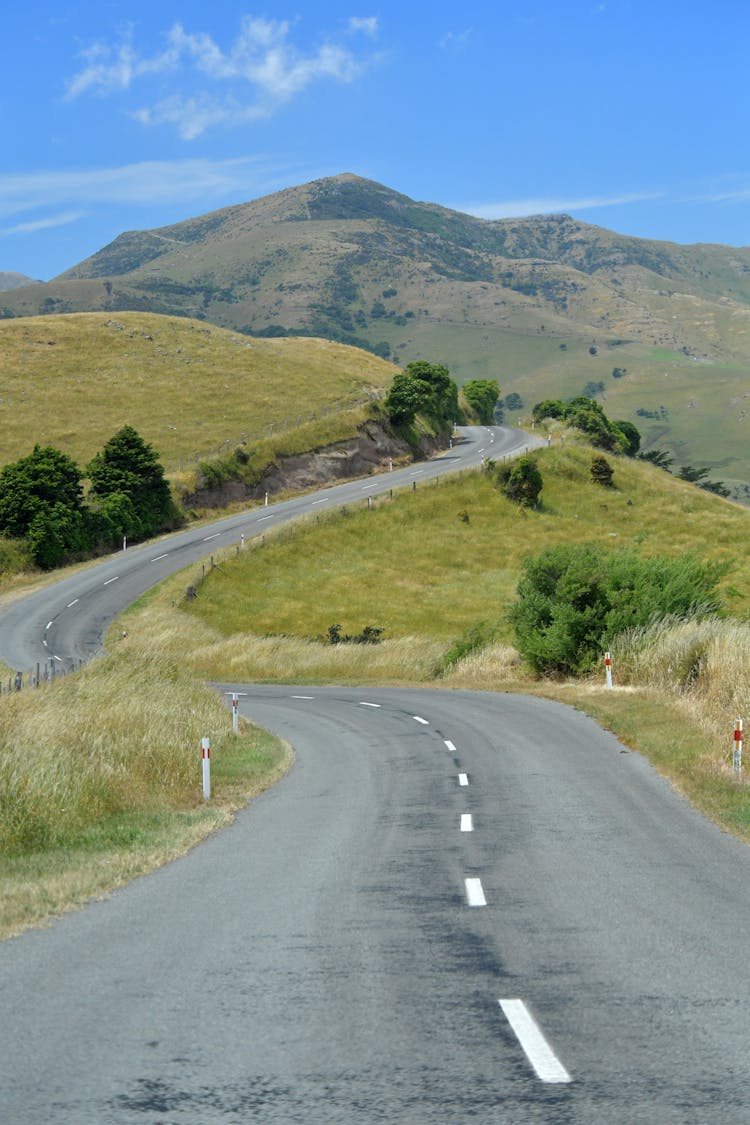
x=208, y=538
x=363, y=704
x=303, y=697
x=536, y=1048
x=474, y=892
x=111, y=580
x=450, y=746
x=158, y=557
x=419, y=719
x=463, y=779
x=467, y=825
x=74, y=602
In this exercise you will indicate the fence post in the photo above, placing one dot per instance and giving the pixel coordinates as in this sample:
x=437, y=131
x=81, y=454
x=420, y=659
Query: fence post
x=206, y=759
x=737, y=756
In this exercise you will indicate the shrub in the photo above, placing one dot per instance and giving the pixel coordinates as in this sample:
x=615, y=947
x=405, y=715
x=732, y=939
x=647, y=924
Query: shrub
x=574, y=599
x=602, y=472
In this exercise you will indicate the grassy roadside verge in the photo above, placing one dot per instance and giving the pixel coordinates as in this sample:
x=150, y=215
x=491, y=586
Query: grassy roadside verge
x=100, y=781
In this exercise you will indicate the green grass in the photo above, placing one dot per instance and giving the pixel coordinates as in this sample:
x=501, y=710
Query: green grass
x=415, y=567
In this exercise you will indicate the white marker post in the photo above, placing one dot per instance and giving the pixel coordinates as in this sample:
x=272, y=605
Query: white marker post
x=206, y=756
x=737, y=756
x=608, y=668
x=235, y=713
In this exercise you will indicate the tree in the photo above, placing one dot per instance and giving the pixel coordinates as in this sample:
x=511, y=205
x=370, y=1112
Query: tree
x=41, y=502
x=422, y=388
x=128, y=468
x=482, y=396
x=549, y=408
x=658, y=457
x=632, y=436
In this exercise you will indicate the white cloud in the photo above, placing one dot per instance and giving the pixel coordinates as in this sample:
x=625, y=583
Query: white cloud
x=141, y=184
x=366, y=24
x=260, y=71
x=48, y=223
x=517, y=208
x=456, y=40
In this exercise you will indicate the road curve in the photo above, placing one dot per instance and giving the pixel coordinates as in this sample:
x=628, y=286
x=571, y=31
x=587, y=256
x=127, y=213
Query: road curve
x=456, y=907
x=66, y=621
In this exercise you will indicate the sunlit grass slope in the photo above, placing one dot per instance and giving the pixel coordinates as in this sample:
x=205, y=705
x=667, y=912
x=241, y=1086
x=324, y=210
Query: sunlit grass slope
x=73, y=380
x=434, y=562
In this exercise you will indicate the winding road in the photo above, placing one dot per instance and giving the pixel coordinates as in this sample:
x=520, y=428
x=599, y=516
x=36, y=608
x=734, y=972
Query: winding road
x=65, y=622
x=457, y=907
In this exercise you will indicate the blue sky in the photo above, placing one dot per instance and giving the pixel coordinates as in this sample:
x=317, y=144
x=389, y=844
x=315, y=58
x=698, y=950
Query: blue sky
x=122, y=116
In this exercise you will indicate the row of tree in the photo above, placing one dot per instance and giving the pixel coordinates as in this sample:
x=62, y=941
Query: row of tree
x=587, y=415
x=42, y=500
x=428, y=389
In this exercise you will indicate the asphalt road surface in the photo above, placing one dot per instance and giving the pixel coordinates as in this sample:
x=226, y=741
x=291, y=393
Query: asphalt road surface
x=457, y=907
x=65, y=622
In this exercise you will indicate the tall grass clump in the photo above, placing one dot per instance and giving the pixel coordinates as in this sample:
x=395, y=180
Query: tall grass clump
x=118, y=736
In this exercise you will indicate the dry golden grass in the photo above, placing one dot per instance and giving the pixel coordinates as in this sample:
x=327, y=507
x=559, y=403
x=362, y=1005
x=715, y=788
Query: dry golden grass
x=186, y=386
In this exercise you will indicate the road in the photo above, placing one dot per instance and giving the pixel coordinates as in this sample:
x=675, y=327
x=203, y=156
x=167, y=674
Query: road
x=66, y=621
x=340, y=954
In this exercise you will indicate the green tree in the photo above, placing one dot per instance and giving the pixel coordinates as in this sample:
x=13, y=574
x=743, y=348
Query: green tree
x=422, y=388
x=128, y=468
x=482, y=396
x=632, y=436
x=549, y=408
x=41, y=503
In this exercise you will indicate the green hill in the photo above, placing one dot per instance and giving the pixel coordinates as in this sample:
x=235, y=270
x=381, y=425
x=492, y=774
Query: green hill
x=547, y=305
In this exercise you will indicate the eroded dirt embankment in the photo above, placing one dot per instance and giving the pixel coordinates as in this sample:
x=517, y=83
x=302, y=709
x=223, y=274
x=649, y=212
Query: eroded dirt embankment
x=373, y=449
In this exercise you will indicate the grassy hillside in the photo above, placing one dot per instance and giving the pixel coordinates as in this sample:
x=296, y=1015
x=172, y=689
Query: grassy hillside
x=522, y=300
x=73, y=380
x=460, y=547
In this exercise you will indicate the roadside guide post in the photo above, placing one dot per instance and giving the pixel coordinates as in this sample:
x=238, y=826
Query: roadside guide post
x=206, y=757
x=737, y=756
x=608, y=668
x=235, y=712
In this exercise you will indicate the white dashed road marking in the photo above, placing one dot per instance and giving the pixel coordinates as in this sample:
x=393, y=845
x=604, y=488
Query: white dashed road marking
x=467, y=824
x=536, y=1048
x=463, y=779
x=474, y=892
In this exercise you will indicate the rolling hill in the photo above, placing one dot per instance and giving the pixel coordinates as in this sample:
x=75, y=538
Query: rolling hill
x=548, y=305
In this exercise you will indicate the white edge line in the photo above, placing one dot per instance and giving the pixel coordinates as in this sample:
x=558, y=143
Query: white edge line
x=475, y=892
x=467, y=824
x=419, y=719
x=536, y=1048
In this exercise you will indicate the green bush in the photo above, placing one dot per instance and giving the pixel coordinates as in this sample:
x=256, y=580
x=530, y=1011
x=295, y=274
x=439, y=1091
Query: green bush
x=574, y=599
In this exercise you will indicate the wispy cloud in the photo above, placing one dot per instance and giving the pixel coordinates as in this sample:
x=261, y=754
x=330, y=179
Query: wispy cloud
x=456, y=40
x=517, y=208
x=145, y=183
x=48, y=223
x=261, y=71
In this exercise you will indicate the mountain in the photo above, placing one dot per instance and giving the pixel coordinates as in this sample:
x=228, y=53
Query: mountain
x=548, y=305
x=11, y=280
